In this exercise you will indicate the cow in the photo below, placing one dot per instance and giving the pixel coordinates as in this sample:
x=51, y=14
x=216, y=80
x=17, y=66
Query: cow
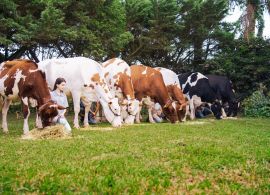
x=86, y=82
x=148, y=82
x=223, y=87
x=172, y=83
x=21, y=79
x=118, y=77
x=198, y=91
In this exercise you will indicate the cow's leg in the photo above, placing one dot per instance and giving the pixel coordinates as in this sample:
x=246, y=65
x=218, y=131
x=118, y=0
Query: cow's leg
x=87, y=109
x=187, y=113
x=192, y=109
x=38, y=121
x=26, y=113
x=138, y=114
x=4, y=115
x=76, y=102
x=151, y=120
x=224, y=115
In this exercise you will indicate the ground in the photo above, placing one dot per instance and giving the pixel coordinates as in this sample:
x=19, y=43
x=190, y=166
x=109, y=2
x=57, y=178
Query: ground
x=205, y=156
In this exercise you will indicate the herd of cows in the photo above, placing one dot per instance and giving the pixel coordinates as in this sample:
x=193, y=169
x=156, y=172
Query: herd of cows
x=121, y=90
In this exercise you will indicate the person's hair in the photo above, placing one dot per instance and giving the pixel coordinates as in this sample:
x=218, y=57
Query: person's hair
x=57, y=82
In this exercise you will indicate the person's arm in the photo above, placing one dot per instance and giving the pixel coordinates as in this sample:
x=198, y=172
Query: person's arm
x=97, y=108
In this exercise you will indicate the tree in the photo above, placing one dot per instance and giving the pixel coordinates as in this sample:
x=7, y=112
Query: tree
x=199, y=20
x=153, y=26
x=67, y=28
x=254, y=10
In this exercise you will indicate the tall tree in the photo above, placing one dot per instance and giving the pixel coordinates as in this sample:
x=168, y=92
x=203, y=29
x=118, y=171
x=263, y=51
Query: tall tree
x=254, y=10
x=199, y=19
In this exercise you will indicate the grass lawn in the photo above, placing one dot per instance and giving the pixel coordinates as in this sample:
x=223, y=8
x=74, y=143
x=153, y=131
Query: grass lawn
x=205, y=156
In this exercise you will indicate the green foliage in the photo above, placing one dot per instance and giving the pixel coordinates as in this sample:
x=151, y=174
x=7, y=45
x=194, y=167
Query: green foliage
x=96, y=29
x=257, y=105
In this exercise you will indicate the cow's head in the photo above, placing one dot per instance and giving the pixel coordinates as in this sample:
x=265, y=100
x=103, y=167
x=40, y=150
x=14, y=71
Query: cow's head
x=181, y=110
x=48, y=111
x=131, y=106
x=169, y=109
x=233, y=108
x=216, y=109
x=114, y=106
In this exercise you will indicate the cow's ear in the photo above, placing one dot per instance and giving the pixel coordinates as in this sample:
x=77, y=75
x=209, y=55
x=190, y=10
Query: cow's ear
x=40, y=110
x=60, y=107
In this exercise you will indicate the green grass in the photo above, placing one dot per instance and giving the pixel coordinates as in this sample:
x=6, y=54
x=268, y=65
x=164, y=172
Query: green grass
x=209, y=156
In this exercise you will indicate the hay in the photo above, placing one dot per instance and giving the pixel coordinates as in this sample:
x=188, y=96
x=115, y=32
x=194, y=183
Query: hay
x=51, y=132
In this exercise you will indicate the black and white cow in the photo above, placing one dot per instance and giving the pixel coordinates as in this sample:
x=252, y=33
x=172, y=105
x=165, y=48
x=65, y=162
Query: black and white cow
x=223, y=88
x=198, y=91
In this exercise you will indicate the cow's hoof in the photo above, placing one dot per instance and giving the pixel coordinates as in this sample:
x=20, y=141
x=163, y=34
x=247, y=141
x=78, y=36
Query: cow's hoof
x=5, y=131
x=152, y=121
x=76, y=126
x=86, y=125
x=27, y=136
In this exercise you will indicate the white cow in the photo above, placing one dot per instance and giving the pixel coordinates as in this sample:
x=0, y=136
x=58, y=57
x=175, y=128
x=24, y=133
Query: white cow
x=85, y=80
x=118, y=77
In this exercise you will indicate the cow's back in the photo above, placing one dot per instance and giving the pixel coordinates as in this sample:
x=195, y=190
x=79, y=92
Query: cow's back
x=17, y=75
x=197, y=84
x=76, y=71
x=118, y=76
x=222, y=86
x=146, y=81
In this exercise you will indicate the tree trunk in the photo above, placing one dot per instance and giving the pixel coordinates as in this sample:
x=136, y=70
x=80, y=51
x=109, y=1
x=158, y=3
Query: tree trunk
x=198, y=53
x=249, y=21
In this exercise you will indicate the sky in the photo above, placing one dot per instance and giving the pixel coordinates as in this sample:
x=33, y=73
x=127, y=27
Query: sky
x=235, y=14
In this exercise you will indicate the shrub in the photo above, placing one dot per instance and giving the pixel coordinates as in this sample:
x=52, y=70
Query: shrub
x=257, y=105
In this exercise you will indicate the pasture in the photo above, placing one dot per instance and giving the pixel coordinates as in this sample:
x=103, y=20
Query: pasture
x=211, y=156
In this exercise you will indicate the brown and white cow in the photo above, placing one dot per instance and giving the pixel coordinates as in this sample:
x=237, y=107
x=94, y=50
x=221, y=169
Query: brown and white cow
x=22, y=79
x=148, y=82
x=118, y=77
x=172, y=83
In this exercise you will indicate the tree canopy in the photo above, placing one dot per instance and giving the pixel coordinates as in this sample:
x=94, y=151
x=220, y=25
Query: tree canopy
x=183, y=35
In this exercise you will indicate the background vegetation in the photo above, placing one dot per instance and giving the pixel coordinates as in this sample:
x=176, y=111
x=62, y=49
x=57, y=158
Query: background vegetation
x=183, y=35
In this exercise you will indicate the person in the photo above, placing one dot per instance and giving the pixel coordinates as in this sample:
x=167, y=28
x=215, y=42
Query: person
x=60, y=98
x=157, y=113
x=202, y=111
x=91, y=114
